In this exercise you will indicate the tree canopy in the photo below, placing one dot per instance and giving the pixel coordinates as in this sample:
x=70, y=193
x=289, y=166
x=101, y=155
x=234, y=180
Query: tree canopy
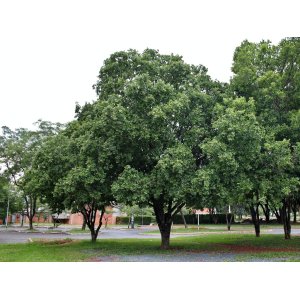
x=162, y=133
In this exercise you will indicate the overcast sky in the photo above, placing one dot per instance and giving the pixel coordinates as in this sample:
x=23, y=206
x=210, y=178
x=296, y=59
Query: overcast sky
x=51, y=51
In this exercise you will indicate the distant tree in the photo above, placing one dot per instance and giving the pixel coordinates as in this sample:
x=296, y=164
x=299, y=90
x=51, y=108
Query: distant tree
x=76, y=168
x=271, y=75
x=17, y=150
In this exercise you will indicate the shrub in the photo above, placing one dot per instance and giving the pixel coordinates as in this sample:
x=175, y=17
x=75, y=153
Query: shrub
x=203, y=219
x=137, y=220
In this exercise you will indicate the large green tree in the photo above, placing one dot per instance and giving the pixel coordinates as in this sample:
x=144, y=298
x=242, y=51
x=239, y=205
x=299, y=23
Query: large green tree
x=271, y=75
x=169, y=104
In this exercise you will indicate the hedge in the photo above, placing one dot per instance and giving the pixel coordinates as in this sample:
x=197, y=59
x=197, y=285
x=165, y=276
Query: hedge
x=203, y=219
x=137, y=220
x=177, y=219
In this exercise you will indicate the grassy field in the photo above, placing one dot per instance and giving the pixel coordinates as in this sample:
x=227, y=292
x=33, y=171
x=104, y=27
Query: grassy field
x=220, y=228
x=270, y=247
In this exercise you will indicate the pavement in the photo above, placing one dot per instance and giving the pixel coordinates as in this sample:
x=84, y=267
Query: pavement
x=17, y=234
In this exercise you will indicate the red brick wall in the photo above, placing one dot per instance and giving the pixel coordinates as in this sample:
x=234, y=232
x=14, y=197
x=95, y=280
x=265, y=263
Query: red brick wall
x=77, y=219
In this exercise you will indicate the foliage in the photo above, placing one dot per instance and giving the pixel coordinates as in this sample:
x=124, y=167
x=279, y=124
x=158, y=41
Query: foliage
x=17, y=150
x=138, y=220
x=203, y=219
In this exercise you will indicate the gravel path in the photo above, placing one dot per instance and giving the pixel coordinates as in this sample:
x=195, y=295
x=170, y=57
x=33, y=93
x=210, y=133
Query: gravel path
x=188, y=257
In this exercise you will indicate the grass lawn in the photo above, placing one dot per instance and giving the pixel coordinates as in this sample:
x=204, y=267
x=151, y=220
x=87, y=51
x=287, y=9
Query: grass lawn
x=270, y=247
x=216, y=228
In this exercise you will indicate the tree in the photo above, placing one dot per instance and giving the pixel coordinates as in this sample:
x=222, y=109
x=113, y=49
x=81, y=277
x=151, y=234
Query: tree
x=17, y=149
x=76, y=168
x=170, y=106
x=270, y=74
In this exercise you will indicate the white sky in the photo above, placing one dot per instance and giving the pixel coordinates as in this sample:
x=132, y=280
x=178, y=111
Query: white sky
x=51, y=51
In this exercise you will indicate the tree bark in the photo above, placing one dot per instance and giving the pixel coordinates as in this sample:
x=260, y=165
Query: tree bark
x=294, y=207
x=277, y=213
x=286, y=218
x=164, y=222
x=89, y=214
x=183, y=219
x=83, y=227
x=164, y=219
x=22, y=220
x=255, y=219
x=266, y=210
x=228, y=220
x=30, y=218
x=30, y=207
x=165, y=231
x=93, y=235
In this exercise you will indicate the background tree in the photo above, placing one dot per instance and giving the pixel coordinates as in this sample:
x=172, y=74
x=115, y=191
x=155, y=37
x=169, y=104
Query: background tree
x=76, y=168
x=270, y=74
x=17, y=149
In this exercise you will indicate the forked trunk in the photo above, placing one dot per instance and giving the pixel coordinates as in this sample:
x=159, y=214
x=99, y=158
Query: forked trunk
x=164, y=219
x=277, y=214
x=89, y=215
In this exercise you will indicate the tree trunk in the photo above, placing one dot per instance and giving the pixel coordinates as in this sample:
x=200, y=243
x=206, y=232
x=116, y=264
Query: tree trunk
x=93, y=235
x=228, y=220
x=255, y=219
x=30, y=207
x=294, y=207
x=165, y=231
x=277, y=215
x=22, y=220
x=164, y=221
x=183, y=219
x=83, y=227
x=89, y=214
x=30, y=218
x=286, y=218
x=266, y=210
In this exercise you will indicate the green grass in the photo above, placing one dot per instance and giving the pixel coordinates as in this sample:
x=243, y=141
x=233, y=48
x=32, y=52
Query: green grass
x=209, y=228
x=190, y=229
x=269, y=247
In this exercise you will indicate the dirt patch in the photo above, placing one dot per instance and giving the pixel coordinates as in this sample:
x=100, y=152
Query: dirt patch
x=103, y=259
x=253, y=249
x=54, y=242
